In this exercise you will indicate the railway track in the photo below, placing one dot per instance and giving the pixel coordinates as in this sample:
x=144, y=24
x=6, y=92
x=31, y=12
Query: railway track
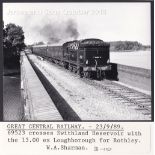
x=125, y=95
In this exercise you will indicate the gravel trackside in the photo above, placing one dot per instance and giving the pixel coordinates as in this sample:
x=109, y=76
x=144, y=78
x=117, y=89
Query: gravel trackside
x=88, y=101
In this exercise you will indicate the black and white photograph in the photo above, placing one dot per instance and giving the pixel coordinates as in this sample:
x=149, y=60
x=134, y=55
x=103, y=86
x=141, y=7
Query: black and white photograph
x=77, y=61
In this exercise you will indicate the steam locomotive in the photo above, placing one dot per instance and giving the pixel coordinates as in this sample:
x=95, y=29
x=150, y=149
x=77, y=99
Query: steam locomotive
x=89, y=57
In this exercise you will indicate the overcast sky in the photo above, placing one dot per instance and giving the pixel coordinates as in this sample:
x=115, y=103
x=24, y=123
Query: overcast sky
x=106, y=21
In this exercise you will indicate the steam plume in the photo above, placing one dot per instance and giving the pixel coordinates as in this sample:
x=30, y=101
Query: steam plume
x=56, y=32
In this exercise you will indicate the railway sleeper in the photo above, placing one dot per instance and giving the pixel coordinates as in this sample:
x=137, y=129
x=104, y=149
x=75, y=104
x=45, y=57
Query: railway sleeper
x=148, y=106
x=111, y=87
x=147, y=113
x=125, y=102
x=145, y=108
x=132, y=105
x=144, y=102
x=114, y=89
x=110, y=94
x=130, y=96
x=128, y=92
x=140, y=109
x=136, y=98
x=117, y=97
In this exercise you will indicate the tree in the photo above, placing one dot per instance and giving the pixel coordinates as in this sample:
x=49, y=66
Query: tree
x=13, y=42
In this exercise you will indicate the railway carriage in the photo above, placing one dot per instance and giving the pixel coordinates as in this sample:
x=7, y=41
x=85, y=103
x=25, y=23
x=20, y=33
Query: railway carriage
x=88, y=57
x=40, y=50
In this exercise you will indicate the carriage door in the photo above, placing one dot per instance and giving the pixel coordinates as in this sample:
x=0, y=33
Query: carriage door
x=81, y=57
